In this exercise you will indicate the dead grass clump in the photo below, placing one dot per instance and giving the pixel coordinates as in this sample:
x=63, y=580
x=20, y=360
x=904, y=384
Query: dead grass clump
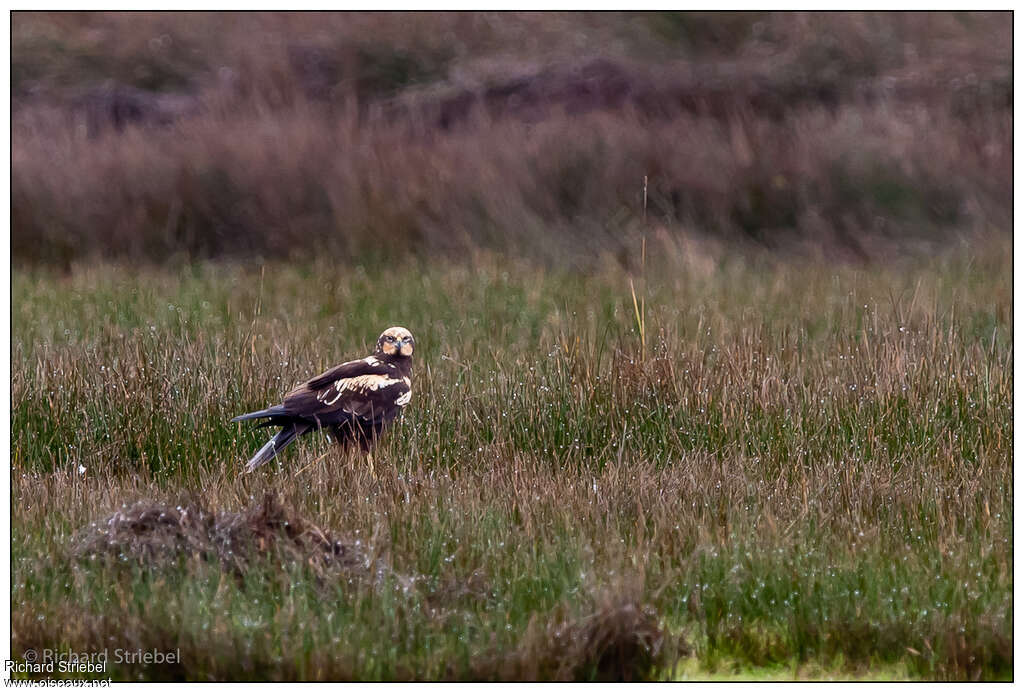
x=154, y=533
x=620, y=640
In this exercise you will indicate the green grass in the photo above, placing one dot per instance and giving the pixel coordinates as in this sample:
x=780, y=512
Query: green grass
x=807, y=474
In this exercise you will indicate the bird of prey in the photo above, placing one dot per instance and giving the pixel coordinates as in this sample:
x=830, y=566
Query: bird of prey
x=353, y=401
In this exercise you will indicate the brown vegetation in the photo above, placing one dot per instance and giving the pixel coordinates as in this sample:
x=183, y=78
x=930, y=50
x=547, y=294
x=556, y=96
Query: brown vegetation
x=620, y=639
x=355, y=134
x=153, y=533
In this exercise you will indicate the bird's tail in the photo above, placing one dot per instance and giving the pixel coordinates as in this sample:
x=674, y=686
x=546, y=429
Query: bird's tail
x=275, y=445
x=277, y=410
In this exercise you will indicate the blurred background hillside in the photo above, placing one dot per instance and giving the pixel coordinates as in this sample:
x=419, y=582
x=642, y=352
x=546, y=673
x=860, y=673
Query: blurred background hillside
x=180, y=136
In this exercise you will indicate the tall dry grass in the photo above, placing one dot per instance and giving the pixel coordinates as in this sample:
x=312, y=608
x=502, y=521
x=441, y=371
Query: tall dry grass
x=359, y=135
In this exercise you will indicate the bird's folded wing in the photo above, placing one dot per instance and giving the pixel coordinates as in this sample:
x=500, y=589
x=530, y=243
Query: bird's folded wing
x=371, y=365
x=369, y=396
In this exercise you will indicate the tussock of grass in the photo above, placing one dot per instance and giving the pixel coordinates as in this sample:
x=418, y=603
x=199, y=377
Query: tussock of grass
x=619, y=639
x=154, y=533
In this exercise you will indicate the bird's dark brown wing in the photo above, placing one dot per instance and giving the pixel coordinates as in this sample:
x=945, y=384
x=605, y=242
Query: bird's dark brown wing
x=367, y=389
x=371, y=365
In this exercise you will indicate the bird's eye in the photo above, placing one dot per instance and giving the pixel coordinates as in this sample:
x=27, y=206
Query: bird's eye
x=390, y=338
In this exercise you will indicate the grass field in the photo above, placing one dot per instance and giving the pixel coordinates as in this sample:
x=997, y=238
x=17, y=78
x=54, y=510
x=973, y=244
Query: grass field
x=796, y=470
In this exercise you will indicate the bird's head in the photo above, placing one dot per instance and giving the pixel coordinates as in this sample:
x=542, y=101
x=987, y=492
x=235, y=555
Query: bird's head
x=396, y=342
